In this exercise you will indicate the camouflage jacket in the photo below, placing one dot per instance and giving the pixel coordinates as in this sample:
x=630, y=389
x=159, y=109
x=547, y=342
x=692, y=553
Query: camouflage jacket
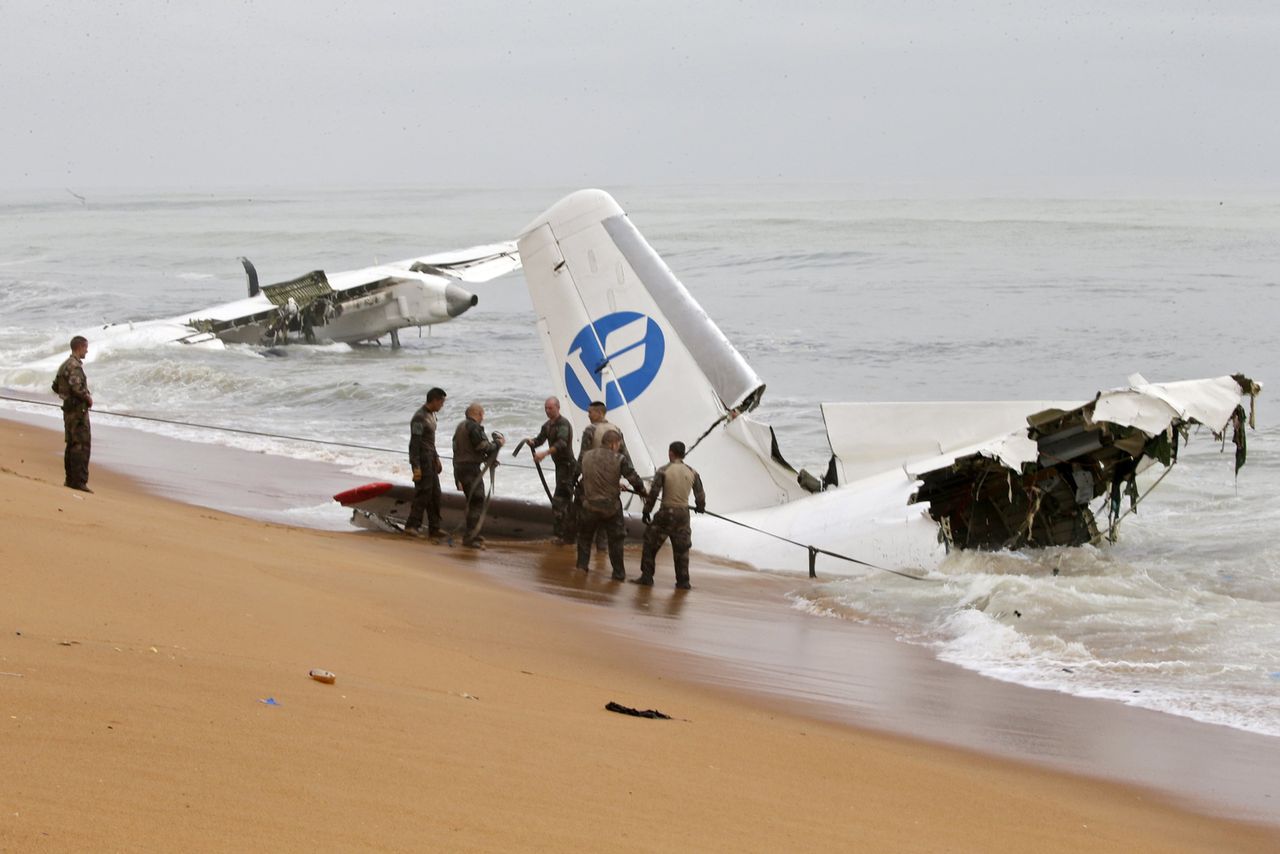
x=422, y=440
x=558, y=433
x=602, y=469
x=471, y=444
x=71, y=385
x=675, y=481
x=592, y=436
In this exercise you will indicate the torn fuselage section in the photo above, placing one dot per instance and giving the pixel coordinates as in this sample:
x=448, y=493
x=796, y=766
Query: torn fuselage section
x=1036, y=488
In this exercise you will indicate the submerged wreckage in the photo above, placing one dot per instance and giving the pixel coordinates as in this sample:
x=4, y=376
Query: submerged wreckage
x=905, y=482
x=347, y=307
x=1036, y=487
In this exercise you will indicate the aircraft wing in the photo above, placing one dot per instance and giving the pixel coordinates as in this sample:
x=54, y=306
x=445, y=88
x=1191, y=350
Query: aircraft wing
x=869, y=438
x=475, y=264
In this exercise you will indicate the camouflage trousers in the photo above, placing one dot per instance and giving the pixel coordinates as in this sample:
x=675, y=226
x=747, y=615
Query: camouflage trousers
x=592, y=519
x=471, y=478
x=76, y=459
x=426, y=498
x=670, y=522
x=573, y=520
x=562, y=501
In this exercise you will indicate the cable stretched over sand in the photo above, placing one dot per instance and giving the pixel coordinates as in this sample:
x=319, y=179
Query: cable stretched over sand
x=239, y=430
x=813, y=551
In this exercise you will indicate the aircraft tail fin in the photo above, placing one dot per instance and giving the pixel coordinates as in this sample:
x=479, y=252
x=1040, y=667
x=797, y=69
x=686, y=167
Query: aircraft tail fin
x=618, y=326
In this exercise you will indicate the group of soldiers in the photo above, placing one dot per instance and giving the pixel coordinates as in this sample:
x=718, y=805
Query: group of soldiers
x=586, y=503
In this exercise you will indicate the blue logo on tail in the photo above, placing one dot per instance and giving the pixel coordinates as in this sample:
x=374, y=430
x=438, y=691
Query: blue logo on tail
x=633, y=347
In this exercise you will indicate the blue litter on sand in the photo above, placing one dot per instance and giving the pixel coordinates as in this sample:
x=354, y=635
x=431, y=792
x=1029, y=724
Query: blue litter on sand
x=270, y=701
x=1275, y=675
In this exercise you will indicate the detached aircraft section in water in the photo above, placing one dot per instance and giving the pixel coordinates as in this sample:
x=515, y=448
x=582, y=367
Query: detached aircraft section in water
x=906, y=481
x=347, y=307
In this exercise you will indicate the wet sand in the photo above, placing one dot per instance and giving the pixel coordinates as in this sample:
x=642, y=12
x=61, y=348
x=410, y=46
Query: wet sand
x=468, y=715
x=737, y=632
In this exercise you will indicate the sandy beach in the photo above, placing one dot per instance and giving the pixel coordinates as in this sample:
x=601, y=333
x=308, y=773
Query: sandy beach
x=141, y=639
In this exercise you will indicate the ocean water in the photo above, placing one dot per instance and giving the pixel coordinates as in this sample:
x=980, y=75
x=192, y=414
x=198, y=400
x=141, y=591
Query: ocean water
x=832, y=294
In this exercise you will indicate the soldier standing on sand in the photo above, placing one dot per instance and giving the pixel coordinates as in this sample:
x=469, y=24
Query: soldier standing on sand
x=674, y=480
x=426, y=467
x=602, y=468
x=471, y=450
x=591, y=436
x=557, y=432
x=72, y=386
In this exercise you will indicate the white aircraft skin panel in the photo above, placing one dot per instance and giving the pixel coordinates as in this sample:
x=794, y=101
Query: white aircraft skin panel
x=1012, y=450
x=1134, y=409
x=869, y=520
x=475, y=264
x=722, y=364
x=1210, y=402
x=757, y=439
x=140, y=335
x=573, y=213
x=667, y=395
x=868, y=438
x=228, y=310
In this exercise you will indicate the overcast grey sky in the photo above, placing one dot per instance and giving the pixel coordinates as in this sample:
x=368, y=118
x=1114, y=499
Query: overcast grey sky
x=317, y=93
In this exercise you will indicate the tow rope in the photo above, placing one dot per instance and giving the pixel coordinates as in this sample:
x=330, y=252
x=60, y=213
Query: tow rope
x=813, y=551
x=536, y=464
x=490, y=465
x=484, y=508
x=305, y=439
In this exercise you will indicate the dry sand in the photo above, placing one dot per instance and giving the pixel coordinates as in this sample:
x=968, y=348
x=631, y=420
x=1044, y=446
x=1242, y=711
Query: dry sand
x=138, y=637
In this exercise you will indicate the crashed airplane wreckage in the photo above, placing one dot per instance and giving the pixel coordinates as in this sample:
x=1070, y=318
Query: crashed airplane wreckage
x=347, y=307
x=1035, y=487
x=905, y=481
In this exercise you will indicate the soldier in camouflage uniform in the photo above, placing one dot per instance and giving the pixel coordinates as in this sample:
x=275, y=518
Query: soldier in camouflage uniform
x=471, y=450
x=674, y=480
x=557, y=432
x=602, y=468
x=426, y=466
x=72, y=386
x=591, y=436
x=594, y=432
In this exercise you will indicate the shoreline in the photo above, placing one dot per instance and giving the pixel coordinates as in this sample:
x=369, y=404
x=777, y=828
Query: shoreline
x=713, y=608
x=748, y=643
